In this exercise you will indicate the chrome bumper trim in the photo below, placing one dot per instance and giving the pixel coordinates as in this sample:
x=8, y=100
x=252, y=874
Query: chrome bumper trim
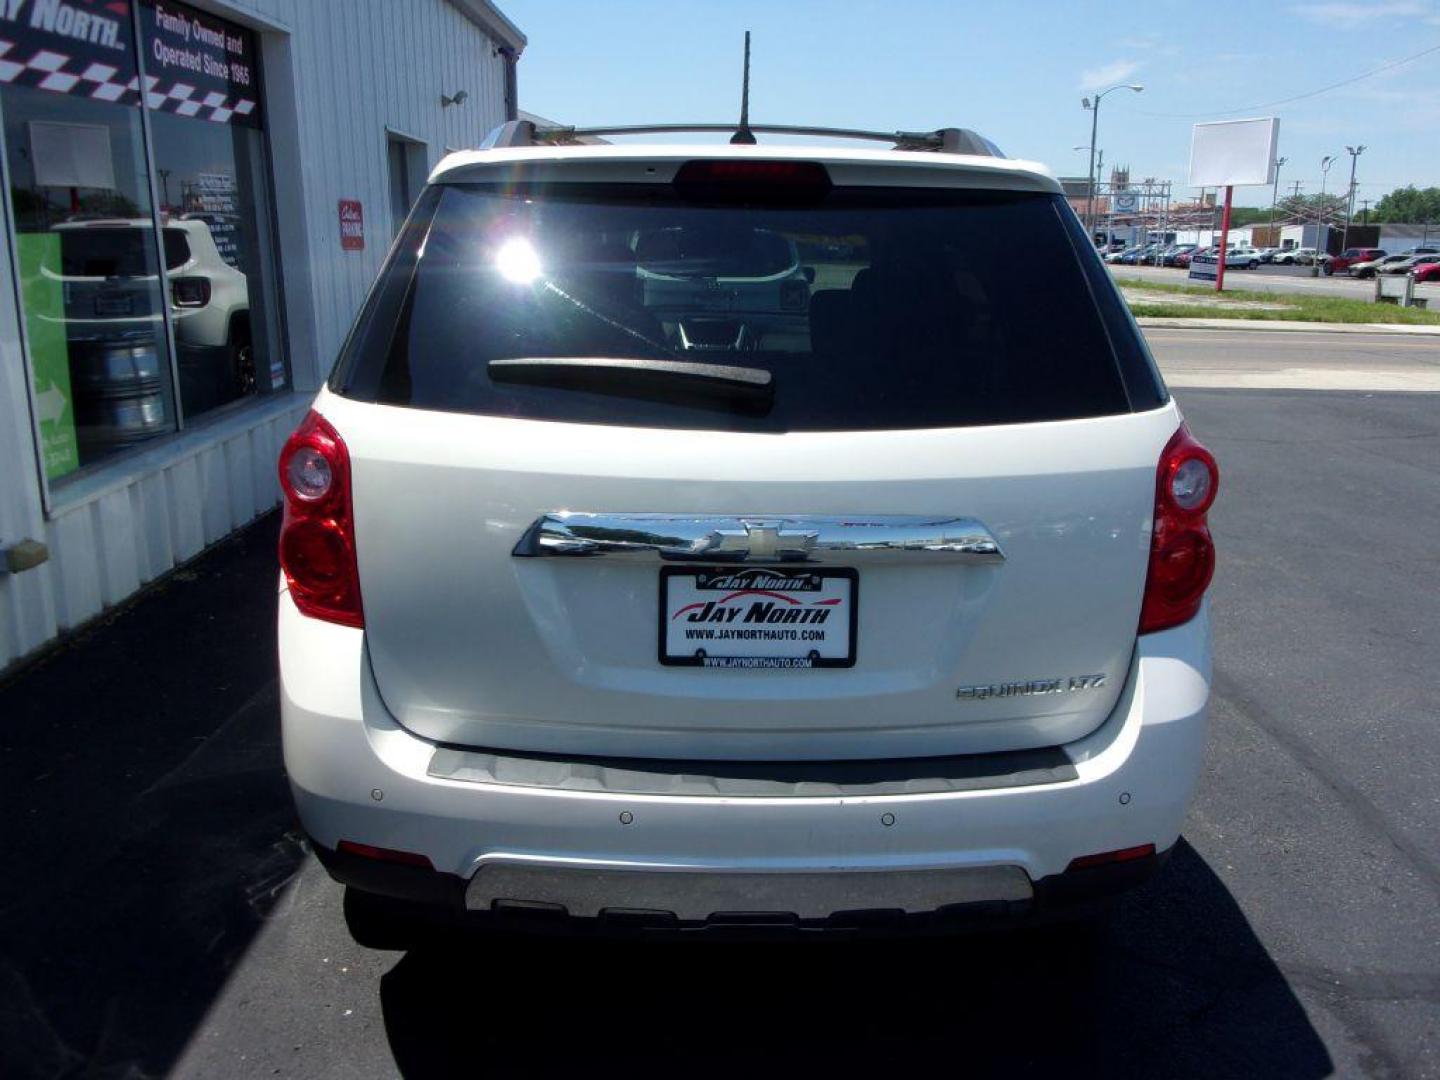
x=761, y=538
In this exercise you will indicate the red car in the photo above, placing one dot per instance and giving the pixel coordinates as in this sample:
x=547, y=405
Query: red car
x=1428, y=271
x=1350, y=256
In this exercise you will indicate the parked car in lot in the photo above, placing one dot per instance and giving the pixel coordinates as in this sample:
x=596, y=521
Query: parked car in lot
x=1288, y=256
x=1406, y=265
x=1173, y=255
x=1427, y=271
x=1140, y=255
x=901, y=609
x=1351, y=256
x=1370, y=267
x=1238, y=258
x=1184, y=259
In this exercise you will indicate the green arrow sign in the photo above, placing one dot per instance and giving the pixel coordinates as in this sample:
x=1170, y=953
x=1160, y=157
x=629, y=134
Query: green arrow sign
x=44, y=297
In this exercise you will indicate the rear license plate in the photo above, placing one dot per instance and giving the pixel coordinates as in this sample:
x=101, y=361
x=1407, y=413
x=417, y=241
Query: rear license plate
x=757, y=617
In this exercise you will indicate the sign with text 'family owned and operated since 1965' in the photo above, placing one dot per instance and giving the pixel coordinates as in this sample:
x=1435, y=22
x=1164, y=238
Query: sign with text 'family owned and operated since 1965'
x=207, y=63
x=195, y=64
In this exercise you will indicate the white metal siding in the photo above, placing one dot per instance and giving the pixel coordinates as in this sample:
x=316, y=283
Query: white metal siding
x=362, y=66
x=339, y=74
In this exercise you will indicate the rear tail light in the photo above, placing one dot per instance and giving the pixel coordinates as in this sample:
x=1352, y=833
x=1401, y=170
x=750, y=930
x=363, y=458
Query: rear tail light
x=380, y=854
x=1182, y=554
x=190, y=291
x=1129, y=854
x=317, y=539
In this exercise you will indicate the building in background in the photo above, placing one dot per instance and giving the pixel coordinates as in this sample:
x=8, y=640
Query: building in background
x=196, y=199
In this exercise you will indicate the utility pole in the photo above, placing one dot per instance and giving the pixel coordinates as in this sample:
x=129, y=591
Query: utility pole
x=1275, y=197
x=1354, y=152
x=1322, y=227
x=1364, y=211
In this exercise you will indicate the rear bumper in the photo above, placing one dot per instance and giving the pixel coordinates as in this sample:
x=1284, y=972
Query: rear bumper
x=358, y=776
x=926, y=899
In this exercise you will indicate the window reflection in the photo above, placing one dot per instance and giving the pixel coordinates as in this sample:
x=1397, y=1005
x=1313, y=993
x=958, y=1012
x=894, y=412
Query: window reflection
x=93, y=290
x=89, y=275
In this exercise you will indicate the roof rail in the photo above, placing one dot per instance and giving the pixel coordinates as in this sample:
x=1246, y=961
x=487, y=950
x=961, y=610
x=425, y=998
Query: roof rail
x=944, y=140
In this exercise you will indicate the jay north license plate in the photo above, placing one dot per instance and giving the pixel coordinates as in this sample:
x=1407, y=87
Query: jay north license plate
x=757, y=617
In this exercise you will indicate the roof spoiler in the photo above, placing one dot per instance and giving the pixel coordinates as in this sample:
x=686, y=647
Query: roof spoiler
x=514, y=133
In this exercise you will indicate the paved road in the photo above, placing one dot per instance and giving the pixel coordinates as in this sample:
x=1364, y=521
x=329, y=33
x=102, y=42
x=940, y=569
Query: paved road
x=1282, y=279
x=1294, y=360
x=159, y=914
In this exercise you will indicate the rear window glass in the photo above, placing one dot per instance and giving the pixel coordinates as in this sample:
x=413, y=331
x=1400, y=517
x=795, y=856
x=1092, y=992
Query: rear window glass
x=109, y=251
x=177, y=249
x=871, y=309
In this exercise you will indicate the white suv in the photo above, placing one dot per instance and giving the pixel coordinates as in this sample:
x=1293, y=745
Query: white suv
x=893, y=607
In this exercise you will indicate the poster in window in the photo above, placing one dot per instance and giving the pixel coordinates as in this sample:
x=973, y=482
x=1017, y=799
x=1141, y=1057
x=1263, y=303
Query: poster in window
x=71, y=155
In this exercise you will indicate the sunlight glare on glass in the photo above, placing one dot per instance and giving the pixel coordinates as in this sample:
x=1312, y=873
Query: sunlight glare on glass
x=517, y=261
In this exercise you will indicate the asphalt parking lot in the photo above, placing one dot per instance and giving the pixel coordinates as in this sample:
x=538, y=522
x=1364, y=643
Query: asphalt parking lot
x=160, y=914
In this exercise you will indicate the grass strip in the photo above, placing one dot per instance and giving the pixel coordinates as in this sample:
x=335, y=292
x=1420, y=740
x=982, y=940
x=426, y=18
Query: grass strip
x=1296, y=308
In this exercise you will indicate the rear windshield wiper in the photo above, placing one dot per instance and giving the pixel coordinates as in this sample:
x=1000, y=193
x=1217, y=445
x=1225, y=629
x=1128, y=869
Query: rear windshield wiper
x=678, y=381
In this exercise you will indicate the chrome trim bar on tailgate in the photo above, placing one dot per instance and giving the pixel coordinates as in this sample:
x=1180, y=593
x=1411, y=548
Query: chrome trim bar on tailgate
x=761, y=538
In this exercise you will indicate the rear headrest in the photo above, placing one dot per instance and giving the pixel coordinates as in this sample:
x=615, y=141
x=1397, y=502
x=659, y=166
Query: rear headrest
x=660, y=246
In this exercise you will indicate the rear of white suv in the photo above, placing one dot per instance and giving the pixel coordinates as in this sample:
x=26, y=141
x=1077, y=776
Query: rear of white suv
x=881, y=592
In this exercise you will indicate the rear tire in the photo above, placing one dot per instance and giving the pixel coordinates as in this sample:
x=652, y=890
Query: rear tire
x=242, y=357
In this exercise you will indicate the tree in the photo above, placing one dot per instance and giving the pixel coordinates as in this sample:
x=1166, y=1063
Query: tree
x=1408, y=204
x=1249, y=215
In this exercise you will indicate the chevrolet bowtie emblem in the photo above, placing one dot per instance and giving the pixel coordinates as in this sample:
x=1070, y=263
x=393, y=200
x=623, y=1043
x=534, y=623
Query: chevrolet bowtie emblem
x=767, y=540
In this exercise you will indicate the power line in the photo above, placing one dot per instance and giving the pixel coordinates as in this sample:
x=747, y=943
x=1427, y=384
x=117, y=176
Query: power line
x=1389, y=64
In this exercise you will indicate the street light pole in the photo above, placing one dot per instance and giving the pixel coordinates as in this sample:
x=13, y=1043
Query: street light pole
x=1354, y=152
x=1094, y=107
x=1325, y=163
x=1094, y=164
x=1275, y=196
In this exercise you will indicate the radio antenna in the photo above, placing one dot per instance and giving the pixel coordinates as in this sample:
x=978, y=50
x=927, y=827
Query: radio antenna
x=743, y=135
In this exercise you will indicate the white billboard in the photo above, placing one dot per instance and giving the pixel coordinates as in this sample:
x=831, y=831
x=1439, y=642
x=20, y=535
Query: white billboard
x=1234, y=153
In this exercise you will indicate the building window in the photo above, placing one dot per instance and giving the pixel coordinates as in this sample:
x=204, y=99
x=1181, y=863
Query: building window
x=406, y=159
x=112, y=286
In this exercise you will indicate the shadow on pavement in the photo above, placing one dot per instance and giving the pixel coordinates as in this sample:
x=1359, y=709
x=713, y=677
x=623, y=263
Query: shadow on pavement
x=1174, y=983
x=148, y=831
x=146, y=818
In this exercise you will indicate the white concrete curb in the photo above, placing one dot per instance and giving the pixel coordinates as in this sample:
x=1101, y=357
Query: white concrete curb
x=1282, y=326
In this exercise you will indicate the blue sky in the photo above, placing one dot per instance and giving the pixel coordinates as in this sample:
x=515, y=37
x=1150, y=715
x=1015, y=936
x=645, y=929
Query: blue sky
x=1016, y=72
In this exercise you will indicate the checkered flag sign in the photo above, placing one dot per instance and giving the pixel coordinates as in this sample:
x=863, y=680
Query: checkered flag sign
x=46, y=69
x=186, y=100
x=197, y=65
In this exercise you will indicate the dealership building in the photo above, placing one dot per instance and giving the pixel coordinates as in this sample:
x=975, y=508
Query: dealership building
x=196, y=198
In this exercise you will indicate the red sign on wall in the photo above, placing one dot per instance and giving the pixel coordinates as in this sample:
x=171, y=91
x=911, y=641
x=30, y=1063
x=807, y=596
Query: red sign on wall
x=352, y=225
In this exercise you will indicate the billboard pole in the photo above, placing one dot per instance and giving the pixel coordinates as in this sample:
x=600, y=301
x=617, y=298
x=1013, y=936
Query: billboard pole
x=1224, y=240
